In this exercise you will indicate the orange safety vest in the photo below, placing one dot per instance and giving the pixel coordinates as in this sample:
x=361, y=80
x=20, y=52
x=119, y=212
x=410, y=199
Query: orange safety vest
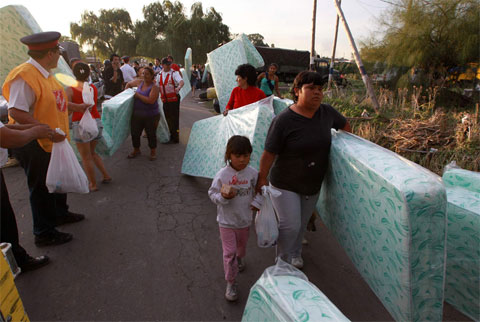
x=50, y=99
x=167, y=89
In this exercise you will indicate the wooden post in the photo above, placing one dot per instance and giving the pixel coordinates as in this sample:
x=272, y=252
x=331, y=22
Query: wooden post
x=330, y=72
x=312, y=52
x=358, y=60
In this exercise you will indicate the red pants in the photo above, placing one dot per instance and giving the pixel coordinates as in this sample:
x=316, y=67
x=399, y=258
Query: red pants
x=234, y=244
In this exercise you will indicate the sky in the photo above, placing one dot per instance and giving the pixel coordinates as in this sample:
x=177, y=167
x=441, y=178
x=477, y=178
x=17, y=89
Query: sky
x=287, y=24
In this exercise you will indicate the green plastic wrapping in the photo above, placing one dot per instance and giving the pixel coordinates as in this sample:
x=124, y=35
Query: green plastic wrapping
x=283, y=293
x=389, y=215
x=205, y=152
x=462, y=286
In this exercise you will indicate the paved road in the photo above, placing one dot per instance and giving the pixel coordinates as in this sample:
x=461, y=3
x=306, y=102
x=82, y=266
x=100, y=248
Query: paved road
x=149, y=249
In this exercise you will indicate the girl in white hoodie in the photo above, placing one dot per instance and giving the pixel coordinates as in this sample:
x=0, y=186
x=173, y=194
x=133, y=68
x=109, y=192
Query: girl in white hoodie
x=233, y=191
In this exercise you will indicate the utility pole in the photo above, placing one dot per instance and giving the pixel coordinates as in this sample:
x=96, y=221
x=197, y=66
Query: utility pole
x=330, y=72
x=312, y=51
x=358, y=60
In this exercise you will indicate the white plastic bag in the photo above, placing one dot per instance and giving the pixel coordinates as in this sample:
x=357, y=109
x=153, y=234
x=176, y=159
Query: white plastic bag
x=87, y=127
x=266, y=222
x=64, y=172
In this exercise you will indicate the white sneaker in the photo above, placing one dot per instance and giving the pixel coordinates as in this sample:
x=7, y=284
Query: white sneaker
x=231, y=293
x=241, y=264
x=297, y=262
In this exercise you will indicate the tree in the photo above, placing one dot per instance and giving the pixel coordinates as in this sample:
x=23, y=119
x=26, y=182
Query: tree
x=257, y=40
x=433, y=35
x=110, y=32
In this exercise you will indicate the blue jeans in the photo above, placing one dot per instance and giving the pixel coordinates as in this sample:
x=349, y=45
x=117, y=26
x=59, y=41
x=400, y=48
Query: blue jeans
x=45, y=206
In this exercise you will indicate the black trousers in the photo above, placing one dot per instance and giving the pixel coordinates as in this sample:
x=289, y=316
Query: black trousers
x=138, y=124
x=172, y=116
x=8, y=224
x=45, y=206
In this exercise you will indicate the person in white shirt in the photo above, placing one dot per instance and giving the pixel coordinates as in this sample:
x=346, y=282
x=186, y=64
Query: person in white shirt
x=233, y=191
x=14, y=136
x=170, y=82
x=128, y=71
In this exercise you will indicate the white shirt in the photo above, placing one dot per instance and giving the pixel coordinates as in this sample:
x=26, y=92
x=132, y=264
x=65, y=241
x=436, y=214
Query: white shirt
x=3, y=152
x=176, y=77
x=128, y=72
x=22, y=96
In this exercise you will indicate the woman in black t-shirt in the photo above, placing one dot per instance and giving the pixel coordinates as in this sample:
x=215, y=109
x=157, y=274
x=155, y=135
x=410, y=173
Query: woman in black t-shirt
x=296, y=156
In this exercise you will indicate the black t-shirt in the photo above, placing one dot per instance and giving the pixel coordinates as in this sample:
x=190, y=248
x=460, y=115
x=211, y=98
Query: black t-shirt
x=112, y=88
x=302, y=146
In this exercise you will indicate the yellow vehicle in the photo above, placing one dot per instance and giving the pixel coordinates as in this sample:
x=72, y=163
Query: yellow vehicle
x=466, y=74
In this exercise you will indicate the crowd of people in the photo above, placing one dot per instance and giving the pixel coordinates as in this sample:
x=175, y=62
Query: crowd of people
x=294, y=160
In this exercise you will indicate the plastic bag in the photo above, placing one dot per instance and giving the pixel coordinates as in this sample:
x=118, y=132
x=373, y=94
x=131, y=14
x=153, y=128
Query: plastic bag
x=64, y=172
x=266, y=222
x=87, y=127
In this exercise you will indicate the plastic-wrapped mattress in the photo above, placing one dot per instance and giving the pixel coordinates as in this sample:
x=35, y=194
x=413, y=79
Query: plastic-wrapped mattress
x=205, y=151
x=283, y=293
x=15, y=23
x=389, y=214
x=116, y=115
x=223, y=62
x=462, y=286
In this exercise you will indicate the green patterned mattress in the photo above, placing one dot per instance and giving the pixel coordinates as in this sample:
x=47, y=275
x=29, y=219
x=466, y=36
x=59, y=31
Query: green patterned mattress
x=205, y=151
x=462, y=286
x=284, y=293
x=116, y=115
x=223, y=62
x=15, y=23
x=389, y=214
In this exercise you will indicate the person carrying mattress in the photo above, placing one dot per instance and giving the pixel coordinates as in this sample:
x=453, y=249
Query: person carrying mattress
x=296, y=157
x=246, y=92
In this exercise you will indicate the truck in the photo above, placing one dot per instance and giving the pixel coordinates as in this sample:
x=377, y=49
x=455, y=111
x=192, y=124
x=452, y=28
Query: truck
x=290, y=62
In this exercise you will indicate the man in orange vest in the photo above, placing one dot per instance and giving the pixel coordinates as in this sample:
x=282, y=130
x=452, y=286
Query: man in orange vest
x=34, y=96
x=170, y=82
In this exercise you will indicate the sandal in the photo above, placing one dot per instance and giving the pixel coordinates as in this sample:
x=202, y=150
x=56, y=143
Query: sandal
x=153, y=157
x=133, y=155
x=106, y=180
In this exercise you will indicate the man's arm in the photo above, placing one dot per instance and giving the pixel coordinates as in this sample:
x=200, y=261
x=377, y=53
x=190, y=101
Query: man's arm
x=12, y=138
x=21, y=117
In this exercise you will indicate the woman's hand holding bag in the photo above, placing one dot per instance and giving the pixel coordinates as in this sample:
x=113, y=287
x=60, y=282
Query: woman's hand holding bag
x=87, y=127
x=64, y=172
x=266, y=222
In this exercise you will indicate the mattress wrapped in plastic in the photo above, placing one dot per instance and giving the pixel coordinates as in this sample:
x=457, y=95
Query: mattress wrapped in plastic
x=223, y=62
x=188, y=62
x=205, y=151
x=15, y=23
x=116, y=115
x=186, y=84
x=462, y=285
x=389, y=215
x=283, y=293
x=280, y=104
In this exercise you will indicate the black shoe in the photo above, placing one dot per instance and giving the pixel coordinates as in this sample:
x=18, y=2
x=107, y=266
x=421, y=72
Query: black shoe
x=170, y=142
x=69, y=219
x=52, y=238
x=32, y=263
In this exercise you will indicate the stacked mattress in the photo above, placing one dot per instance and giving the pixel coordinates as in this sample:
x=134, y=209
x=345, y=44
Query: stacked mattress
x=205, y=151
x=389, y=214
x=223, y=62
x=462, y=286
x=284, y=293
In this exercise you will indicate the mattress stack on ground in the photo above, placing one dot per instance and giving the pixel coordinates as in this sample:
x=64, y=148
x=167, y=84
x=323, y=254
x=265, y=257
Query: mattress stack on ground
x=389, y=214
x=15, y=23
x=205, y=151
x=462, y=285
x=284, y=293
x=223, y=62
x=116, y=115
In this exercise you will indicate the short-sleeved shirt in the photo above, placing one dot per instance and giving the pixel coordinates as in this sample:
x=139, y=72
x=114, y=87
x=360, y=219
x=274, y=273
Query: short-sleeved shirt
x=301, y=146
x=112, y=88
x=241, y=97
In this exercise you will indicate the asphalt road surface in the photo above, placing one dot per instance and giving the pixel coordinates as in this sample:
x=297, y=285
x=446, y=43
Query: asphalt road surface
x=149, y=249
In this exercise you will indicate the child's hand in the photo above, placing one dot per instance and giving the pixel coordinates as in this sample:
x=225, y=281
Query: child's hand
x=232, y=193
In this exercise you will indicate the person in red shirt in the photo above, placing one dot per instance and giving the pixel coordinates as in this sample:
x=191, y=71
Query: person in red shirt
x=246, y=92
x=86, y=149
